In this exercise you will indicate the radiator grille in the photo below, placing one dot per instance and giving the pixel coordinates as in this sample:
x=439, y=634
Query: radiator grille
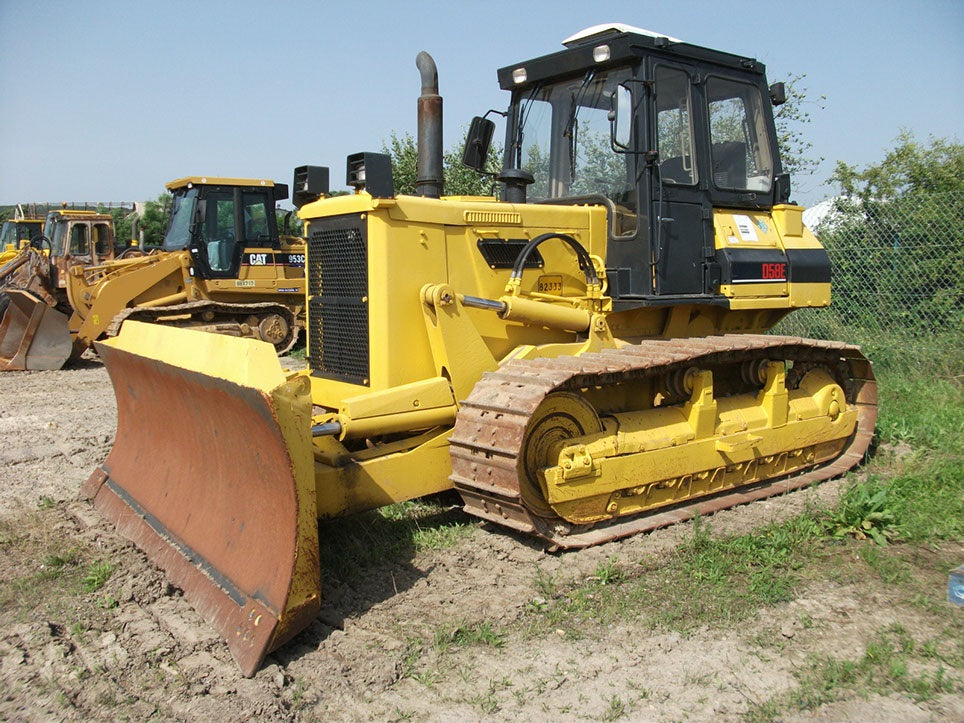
x=338, y=299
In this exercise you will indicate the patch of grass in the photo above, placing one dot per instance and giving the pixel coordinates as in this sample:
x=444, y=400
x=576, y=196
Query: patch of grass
x=98, y=573
x=704, y=581
x=54, y=565
x=891, y=663
x=392, y=534
x=920, y=403
x=481, y=633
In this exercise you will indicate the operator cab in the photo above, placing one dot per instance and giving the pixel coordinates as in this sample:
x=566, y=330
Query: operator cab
x=659, y=131
x=18, y=232
x=218, y=219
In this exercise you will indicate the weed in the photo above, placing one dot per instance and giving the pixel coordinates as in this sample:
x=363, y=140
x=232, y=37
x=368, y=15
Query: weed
x=544, y=583
x=108, y=602
x=891, y=569
x=391, y=534
x=428, y=678
x=487, y=702
x=864, y=511
x=616, y=709
x=608, y=573
x=53, y=565
x=45, y=502
x=462, y=635
x=411, y=655
x=98, y=573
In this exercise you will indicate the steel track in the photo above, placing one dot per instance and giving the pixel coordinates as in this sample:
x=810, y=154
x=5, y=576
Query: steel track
x=490, y=428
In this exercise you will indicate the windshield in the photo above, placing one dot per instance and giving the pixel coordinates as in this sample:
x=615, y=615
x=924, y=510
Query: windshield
x=178, y=234
x=9, y=234
x=562, y=137
x=56, y=231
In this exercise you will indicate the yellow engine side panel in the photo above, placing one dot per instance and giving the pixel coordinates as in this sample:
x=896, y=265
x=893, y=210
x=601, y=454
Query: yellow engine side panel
x=767, y=242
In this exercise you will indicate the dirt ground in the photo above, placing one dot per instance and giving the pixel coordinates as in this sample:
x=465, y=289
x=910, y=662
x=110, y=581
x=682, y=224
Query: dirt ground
x=135, y=649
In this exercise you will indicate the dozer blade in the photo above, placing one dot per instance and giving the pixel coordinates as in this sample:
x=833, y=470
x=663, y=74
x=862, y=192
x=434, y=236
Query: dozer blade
x=33, y=335
x=212, y=475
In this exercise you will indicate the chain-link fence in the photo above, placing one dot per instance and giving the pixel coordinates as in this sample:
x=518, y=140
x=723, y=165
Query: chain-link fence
x=897, y=270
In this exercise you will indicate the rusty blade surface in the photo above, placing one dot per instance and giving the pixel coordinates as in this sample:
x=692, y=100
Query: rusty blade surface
x=208, y=478
x=33, y=335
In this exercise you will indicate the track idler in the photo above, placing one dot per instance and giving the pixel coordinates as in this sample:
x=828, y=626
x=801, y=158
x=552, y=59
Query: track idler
x=33, y=335
x=212, y=476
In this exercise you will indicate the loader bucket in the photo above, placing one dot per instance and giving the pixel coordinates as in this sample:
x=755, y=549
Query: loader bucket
x=212, y=476
x=33, y=335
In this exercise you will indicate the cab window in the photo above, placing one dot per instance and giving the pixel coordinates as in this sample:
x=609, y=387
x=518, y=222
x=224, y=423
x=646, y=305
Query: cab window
x=102, y=242
x=57, y=233
x=739, y=151
x=256, y=209
x=674, y=127
x=563, y=138
x=79, y=240
x=219, y=237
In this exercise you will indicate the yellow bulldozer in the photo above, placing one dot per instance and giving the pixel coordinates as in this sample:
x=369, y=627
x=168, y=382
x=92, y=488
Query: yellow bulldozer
x=582, y=360
x=33, y=283
x=16, y=233
x=222, y=267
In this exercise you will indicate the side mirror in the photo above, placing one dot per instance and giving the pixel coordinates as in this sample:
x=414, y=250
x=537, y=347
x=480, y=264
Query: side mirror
x=781, y=188
x=778, y=93
x=621, y=118
x=200, y=214
x=477, y=143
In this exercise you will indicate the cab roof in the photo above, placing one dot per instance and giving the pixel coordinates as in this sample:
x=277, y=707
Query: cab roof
x=623, y=44
x=218, y=181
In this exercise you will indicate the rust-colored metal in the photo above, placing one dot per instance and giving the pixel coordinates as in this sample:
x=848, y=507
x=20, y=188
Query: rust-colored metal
x=29, y=270
x=33, y=335
x=219, y=503
x=491, y=426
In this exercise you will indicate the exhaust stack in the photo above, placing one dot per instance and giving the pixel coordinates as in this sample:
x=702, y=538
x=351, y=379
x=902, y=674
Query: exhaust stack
x=429, y=179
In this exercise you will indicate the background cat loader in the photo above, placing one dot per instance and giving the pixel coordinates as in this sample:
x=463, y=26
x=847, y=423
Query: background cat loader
x=223, y=267
x=582, y=360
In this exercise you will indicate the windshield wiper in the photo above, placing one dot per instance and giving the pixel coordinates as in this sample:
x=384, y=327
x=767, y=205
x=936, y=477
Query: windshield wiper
x=572, y=125
x=524, y=109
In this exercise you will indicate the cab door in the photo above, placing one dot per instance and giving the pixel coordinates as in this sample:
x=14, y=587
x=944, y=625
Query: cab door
x=77, y=251
x=261, y=263
x=681, y=219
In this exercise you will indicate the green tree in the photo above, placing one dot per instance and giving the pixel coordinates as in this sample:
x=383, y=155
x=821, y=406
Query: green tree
x=122, y=223
x=911, y=168
x=896, y=239
x=458, y=180
x=153, y=224
x=791, y=119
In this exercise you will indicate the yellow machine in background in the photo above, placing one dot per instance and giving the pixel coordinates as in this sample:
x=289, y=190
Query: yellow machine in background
x=16, y=233
x=223, y=267
x=33, y=280
x=582, y=360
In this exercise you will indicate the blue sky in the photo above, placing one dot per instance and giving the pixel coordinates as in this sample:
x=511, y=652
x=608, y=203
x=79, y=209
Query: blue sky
x=108, y=100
